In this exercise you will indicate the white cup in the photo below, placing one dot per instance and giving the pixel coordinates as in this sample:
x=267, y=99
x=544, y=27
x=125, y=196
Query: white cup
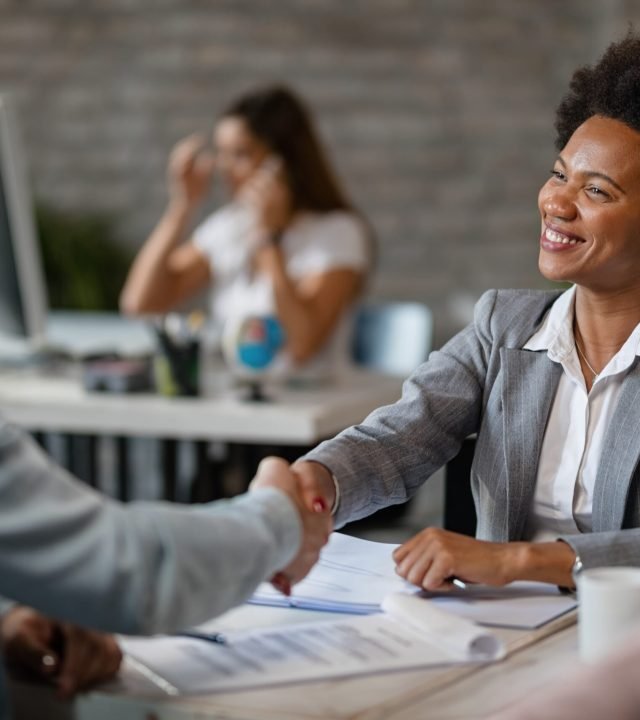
x=609, y=609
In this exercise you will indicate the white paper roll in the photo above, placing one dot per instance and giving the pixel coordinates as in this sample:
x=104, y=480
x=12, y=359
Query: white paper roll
x=460, y=637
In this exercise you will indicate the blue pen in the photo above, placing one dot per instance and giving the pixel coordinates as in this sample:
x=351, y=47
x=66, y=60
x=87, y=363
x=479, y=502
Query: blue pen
x=214, y=637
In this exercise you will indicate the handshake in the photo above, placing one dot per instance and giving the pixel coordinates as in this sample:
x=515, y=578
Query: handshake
x=310, y=488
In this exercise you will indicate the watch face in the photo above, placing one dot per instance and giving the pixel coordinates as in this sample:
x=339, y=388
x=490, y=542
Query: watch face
x=577, y=567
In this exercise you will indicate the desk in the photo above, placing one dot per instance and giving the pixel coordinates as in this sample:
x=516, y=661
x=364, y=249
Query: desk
x=294, y=417
x=434, y=693
x=298, y=417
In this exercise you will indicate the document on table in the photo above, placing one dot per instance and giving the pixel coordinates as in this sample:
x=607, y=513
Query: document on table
x=411, y=633
x=354, y=576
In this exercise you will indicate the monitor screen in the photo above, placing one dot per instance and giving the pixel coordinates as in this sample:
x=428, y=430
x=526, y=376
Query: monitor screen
x=23, y=306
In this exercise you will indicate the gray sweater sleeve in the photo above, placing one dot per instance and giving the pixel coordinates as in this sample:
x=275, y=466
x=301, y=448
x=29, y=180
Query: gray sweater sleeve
x=139, y=568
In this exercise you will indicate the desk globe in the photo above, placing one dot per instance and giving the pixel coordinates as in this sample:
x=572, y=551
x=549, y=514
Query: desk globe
x=251, y=348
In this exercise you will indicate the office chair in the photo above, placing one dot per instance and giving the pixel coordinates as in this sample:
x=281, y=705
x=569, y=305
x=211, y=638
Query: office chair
x=395, y=338
x=392, y=337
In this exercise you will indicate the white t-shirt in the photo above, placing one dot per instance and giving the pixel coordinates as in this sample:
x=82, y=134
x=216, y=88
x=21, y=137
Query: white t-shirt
x=312, y=244
x=576, y=428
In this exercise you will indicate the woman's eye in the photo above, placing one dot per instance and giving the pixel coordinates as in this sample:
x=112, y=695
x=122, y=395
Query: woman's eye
x=597, y=192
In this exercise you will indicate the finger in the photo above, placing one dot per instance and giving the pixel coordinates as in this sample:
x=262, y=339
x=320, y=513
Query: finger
x=184, y=154
x=310, y=488
x=273, y=472
x=437, y=577
x=205, y=164
x=103, y=659
x=400, y=553
x=30, y=643
x=74, y=658
x=281, y=583
x=30, y=654
x=319, y=505
x=414, y=567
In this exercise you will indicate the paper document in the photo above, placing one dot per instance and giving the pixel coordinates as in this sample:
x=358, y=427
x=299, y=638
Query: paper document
x=354, y=576
x=412, y=633
x=520, y=605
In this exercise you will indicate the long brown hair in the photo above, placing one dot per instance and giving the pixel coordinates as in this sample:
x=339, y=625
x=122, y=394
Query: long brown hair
x=280, y=119
x=277, y=117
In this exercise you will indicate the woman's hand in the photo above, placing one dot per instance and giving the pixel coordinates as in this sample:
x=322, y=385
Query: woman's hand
x=190, y=172
x=267, y=193
x=433, y=557
x=67, y=656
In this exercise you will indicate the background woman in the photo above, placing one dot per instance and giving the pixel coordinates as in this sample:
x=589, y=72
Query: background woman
x=288, y=242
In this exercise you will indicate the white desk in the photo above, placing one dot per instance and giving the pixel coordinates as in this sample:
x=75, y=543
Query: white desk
x=463, y=692
x=293, y=417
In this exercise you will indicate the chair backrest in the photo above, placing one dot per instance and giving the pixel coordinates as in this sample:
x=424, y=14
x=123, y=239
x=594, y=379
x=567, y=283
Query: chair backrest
x=393, y=337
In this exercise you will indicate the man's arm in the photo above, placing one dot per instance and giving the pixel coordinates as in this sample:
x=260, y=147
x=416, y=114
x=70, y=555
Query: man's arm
x=72, y=553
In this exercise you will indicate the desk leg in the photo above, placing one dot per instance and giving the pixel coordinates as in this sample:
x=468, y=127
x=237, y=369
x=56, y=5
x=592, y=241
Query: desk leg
x=208, y=483
x=169, y=457
x=92, y=460
x=79, y=457
x=39, y=437
x=122, y=467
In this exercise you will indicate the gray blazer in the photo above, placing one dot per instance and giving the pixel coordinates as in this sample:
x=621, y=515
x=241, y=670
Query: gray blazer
x=144, y=567
x=483, y=382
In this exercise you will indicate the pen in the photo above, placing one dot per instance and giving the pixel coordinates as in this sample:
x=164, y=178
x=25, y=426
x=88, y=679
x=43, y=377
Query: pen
x=457, y=582
x=214, y=637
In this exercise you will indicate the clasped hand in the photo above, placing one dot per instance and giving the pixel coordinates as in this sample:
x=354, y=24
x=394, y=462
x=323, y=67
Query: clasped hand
x=430, y=559
x=314, y=516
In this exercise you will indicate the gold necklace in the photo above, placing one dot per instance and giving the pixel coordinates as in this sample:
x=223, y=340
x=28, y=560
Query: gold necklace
x=583, y=356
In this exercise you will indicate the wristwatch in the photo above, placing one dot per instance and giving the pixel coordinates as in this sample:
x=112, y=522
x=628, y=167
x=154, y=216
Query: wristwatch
x=576, y=569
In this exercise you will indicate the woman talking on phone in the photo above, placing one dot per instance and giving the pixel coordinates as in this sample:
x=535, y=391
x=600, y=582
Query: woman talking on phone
x=287, y=243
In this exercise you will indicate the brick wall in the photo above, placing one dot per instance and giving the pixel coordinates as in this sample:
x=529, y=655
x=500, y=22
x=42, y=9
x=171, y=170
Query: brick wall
x=437, y=113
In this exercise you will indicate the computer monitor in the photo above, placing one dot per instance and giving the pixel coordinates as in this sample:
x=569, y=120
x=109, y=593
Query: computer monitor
x=23, y=303
x=27, y=329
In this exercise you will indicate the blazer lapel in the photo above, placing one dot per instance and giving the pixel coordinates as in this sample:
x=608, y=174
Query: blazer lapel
x=620, y=455
x=529, y=386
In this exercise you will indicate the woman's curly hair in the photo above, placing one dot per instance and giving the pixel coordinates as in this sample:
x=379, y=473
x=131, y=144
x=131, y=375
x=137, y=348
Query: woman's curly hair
x=610, y=88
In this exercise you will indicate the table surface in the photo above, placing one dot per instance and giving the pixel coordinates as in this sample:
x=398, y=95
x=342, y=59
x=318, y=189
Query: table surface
x=535, y=659
x=292, y=416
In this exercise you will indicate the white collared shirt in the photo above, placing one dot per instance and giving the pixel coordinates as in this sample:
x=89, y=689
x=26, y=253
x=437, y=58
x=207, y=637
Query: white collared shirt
x=578, y=421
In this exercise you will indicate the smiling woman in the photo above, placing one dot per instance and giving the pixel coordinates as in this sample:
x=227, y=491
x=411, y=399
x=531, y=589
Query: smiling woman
x=549, y=382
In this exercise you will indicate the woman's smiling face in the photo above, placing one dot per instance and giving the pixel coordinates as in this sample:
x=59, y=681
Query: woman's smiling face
x=590, y=209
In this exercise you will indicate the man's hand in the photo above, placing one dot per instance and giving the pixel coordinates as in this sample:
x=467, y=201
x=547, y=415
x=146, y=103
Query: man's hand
x=314, y=514
x=69, y=657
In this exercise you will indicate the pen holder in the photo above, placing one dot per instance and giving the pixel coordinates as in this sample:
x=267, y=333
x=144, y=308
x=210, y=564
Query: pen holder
x=176, y=367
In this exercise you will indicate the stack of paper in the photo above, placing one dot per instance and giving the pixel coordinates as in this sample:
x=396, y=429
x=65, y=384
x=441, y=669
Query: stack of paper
x=403, y=628
x=354, y=576
x=411, y=633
